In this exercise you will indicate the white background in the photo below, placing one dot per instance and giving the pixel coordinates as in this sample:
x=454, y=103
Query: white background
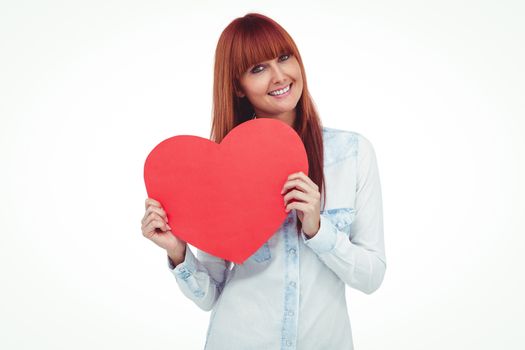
x=88, y=88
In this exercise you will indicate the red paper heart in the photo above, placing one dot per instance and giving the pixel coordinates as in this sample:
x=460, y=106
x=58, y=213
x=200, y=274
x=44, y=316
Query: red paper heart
x=225, y=199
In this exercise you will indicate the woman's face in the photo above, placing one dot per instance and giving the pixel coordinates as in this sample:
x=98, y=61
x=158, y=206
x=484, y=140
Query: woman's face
x=273, y=88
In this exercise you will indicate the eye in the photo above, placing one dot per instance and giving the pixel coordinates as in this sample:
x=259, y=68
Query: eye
x=286, y=57
x=254, y=70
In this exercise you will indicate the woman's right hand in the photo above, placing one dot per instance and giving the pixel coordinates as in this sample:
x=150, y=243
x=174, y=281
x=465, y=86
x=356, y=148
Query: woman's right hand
x=155, y=227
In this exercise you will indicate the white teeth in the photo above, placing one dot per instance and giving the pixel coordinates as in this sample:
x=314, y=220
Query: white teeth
x=280, y=92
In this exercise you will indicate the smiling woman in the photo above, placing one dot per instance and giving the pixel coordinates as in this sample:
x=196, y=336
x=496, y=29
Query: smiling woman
x=290, y=294
x=268, y=87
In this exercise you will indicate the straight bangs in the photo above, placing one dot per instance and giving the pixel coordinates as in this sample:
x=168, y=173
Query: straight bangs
x=260, y=41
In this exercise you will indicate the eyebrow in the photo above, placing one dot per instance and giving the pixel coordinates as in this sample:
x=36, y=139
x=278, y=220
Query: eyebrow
x=264, y=62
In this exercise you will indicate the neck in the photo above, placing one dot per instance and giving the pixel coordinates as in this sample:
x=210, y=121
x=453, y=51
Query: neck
x=286, y=117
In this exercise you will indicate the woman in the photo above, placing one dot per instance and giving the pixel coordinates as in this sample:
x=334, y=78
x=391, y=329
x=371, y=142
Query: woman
x=290, y=294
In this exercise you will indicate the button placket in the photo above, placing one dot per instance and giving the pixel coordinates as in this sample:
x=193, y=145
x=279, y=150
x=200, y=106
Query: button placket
x=291, y=293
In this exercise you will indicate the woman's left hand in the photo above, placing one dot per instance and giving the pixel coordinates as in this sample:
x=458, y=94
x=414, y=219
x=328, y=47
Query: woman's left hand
x=308, y=203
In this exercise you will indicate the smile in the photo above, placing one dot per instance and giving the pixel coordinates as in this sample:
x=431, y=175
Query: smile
x=281, y=92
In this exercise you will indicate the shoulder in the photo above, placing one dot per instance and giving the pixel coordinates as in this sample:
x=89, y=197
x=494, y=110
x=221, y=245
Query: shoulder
x=340, y=144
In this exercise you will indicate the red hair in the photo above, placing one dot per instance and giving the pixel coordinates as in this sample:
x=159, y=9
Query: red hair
x=246, y=41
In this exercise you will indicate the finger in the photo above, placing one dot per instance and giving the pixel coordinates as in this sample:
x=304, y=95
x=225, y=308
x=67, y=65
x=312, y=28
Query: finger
x=154, y=216
x=297, y=183
x=153, y=225
x=295, y=194
x=146, y=214
x=305, y=178
x=151, y=201
x=157, y=210
x=302, y=206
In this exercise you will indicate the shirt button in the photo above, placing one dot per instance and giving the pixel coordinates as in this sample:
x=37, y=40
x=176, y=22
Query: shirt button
x=292, y=251
x=292, y=284
x=290, y=313
x=289, y=343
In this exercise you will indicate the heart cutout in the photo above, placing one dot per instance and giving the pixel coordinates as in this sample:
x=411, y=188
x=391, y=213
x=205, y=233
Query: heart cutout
x=225, y=199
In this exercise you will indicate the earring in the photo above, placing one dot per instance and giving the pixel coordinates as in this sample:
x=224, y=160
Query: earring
x=253, y=115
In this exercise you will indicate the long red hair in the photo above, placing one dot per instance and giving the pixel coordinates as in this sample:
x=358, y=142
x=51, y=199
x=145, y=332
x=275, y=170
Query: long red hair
x=245, y=42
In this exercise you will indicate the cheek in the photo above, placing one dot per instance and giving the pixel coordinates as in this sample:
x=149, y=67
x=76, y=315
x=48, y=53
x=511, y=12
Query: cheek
x=298, y=74
x=297, y=69
x=256, y=88
x=299, y=81
x=298, y=77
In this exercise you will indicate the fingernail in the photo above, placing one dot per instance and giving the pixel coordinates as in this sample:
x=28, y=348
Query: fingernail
x=169, y=227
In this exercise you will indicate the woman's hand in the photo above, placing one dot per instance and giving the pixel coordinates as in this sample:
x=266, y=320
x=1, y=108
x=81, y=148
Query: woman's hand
x=308, y=204
x=155, y=227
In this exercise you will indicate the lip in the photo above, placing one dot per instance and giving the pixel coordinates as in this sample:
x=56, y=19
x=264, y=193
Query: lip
x=285, y=94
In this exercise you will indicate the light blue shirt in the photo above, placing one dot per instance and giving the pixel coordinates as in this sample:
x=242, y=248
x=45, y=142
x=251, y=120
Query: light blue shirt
x=290, y=294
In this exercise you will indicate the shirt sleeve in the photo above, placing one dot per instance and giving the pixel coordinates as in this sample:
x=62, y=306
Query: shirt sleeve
x=201, y=278
x=359, y=259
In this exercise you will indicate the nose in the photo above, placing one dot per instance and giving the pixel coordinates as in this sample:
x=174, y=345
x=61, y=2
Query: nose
x=278, y=75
